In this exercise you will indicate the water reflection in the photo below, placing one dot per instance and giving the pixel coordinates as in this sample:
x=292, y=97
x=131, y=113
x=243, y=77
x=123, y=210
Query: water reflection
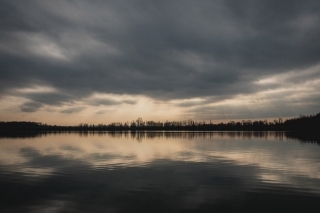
x=158, y=172
x=140, y=135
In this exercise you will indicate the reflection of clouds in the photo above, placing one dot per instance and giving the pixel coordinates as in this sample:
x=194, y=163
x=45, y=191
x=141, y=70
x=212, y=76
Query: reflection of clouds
x=279, y=162
x=95, y=151
x=52, y=206
x=275, y=170
x=10, y=157
x=36, y=172
x=70, y=173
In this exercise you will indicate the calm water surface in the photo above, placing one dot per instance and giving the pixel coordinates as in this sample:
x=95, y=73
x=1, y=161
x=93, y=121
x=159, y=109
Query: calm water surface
x=159, y=172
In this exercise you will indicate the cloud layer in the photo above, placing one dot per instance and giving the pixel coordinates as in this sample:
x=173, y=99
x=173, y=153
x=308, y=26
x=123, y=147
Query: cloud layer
x=166, y=51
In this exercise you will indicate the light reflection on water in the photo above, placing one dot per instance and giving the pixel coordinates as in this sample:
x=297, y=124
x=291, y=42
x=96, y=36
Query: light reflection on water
x=158, y=172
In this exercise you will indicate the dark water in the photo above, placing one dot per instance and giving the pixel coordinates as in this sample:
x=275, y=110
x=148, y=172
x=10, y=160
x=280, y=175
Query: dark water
x=159, y=172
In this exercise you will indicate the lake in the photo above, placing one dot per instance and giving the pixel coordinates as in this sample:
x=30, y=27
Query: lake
x=159, y=172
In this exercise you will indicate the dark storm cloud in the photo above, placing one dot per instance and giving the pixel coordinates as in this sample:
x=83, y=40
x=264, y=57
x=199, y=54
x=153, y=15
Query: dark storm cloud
x=162, y=49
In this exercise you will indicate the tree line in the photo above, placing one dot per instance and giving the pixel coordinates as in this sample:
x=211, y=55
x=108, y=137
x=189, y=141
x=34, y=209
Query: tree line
x=310, y=123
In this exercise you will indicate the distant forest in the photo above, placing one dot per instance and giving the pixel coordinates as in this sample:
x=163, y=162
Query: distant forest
x=301, y=124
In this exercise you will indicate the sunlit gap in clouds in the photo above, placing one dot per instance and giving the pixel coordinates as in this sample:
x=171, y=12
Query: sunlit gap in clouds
x=106, y=108
x=95, y=108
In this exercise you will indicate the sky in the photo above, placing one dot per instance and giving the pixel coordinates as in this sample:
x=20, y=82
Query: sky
x=71, y=62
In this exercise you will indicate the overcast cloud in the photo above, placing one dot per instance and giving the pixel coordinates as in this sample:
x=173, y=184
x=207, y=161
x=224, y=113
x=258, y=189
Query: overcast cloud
x=259, y=58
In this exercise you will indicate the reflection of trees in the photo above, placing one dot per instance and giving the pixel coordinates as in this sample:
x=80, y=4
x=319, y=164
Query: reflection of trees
x=140, y=135
x=187, y=135
x=184, y=135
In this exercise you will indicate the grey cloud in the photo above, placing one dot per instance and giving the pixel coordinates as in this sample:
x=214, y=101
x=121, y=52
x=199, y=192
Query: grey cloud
x=164, y=50
x=104, y=111
x=72, y=110
x=279, y=107
x=101, y=112
x=30, y=106
x=110, y=102
x=107, y=102
x=188, y=104
x=131, y=102
x=50, y=98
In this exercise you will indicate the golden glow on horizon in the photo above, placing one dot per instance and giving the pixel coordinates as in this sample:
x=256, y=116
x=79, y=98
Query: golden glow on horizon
x=107, y=108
